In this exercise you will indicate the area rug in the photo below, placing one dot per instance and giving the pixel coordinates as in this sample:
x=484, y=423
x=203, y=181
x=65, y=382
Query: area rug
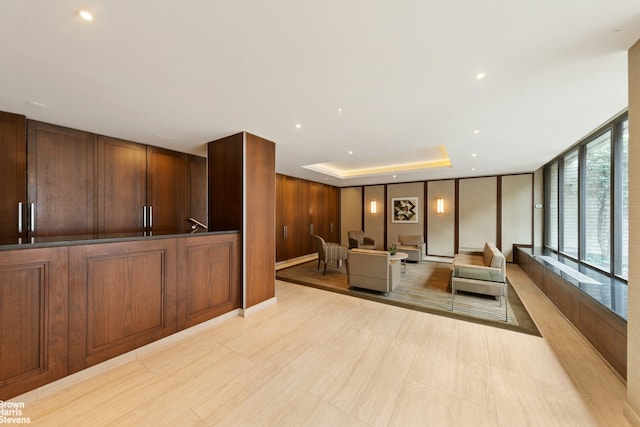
x=424, y=286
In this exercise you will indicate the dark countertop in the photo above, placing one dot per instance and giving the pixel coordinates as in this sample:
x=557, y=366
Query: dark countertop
x=609, y=292
x=59, y=241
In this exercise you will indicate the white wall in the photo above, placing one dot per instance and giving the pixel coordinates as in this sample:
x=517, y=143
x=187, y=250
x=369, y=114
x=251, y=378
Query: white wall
x=478, y=212
x=414, y=189
x=517, y=212
x=350, y=212
x=441, y=227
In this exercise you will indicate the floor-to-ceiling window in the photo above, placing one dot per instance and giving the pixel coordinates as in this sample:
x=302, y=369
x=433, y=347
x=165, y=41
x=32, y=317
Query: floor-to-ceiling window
x=587, y=199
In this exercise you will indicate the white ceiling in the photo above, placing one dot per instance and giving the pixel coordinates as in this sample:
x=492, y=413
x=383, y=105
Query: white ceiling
x=180, y=74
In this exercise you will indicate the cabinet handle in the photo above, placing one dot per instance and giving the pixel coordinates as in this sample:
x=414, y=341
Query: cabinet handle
x=150, y=217
x=144, y=218
x=311, y=229
x=33, y=217
x=285, y=232
x=331, y=227
x=20, y=217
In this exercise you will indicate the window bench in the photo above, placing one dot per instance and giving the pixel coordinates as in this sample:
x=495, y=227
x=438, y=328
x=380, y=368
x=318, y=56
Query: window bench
x=596, y=304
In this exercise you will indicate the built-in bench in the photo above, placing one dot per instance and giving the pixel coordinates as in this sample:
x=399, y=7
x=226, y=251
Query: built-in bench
x=596, y=304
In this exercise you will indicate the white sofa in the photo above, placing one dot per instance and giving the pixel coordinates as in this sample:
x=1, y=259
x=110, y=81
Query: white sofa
x=373, y=270
x=489, y=259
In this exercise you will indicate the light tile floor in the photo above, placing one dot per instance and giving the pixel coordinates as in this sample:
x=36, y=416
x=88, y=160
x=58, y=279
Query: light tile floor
x=320, y=358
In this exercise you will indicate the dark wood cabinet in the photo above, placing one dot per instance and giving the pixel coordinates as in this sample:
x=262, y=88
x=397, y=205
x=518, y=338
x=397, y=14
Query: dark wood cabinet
x=304, y=208
x=60, y=180
x=33, y=315
x=166, y=179
x=208, y=277
x=122, y=186
x=121, y=296
x=13, y=161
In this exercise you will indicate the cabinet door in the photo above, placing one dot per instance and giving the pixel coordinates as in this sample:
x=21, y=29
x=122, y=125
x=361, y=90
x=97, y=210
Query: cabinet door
x=208, y=277
x=13, y=159
x=166, y=191
x=33, y=315
x=122, y=185
x=332, y=213
x=289, y=233
x=121, y=296
x=60, y=184
x=197, y=188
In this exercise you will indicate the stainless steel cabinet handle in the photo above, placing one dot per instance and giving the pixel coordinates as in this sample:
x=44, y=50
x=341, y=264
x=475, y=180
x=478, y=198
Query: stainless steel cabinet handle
x=20, y=217
x=285, y=231
x=311, y=229
x=144, y=218
x=331, y=227
x=150, y=217
x=33, y=217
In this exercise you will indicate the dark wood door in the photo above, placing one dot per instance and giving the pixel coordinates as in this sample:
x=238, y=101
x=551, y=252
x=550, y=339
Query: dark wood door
x=166, y=191
x=33, y=315
x=60, y=180
x=13, y=160
x=197, y=189
x=332, y=213
x=122, y=185
x=288, y=233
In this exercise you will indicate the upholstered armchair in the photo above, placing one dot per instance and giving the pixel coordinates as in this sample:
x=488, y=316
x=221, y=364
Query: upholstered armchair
x=373, y=270
x=413, y=245
x=357, y=240
x=330, y=252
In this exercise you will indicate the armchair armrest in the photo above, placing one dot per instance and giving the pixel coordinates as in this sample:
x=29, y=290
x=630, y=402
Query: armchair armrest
x=353, y=243
x=369, y=241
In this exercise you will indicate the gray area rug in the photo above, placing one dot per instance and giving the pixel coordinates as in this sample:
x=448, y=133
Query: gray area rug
x=425, y=286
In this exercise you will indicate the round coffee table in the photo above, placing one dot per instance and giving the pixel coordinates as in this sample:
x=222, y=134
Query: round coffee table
x=402, y=257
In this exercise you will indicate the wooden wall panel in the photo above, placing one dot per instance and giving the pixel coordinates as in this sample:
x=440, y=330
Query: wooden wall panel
x=33, y=315
x=259, y=231
x=197, y=206
x=225, y=167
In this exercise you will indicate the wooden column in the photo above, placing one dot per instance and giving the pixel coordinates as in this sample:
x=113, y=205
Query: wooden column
x=242, y=197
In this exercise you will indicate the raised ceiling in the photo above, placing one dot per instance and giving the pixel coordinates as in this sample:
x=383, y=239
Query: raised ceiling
x=346, y=83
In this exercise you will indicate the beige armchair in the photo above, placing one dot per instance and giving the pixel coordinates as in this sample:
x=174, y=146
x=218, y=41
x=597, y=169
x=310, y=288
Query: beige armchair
x=412, y=245
x=373, y=270
x=358, y=240
x=330, y=252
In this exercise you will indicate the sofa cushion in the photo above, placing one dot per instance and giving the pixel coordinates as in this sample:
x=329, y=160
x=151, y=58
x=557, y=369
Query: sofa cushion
x=410, y=239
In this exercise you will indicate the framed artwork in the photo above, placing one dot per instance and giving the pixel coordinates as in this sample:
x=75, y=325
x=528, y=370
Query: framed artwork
x=404, y=209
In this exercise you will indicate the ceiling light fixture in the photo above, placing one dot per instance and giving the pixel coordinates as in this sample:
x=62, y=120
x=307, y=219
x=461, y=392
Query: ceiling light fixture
x=480, y=76
x=298, y=125
x=474, y=155
x=339, y=110
x=477, y=131
x=473, y=169
x=86, y=15
x=350, y=152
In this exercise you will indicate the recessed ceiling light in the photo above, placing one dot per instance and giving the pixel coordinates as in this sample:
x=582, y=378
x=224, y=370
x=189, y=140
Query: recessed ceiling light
x=86, y=15
x=350, y=152
x=298, y=125
x=480, y=76
x=473, y=169
x=394, y=176
x=474, y=155
x=339, y=110
x=476, y=131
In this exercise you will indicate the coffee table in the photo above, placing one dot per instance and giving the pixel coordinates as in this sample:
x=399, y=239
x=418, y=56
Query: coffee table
x=402, y=257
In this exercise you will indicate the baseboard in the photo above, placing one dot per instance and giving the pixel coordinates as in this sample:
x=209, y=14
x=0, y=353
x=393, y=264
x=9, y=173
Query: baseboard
x=260, y=306
x=631, y=415
x=295, y=261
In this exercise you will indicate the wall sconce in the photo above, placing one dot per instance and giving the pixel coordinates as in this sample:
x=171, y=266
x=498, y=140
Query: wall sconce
x=374, y=207
x=439, y=205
